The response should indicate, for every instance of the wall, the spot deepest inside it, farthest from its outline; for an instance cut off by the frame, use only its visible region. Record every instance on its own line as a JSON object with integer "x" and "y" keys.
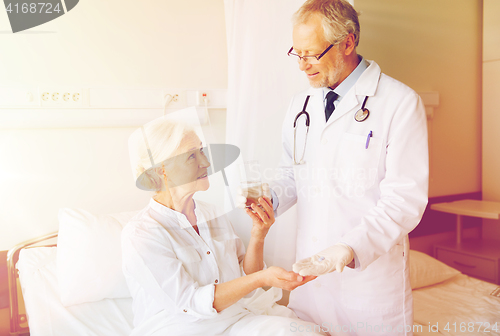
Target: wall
{"x": 491, "y": 117}
{"x": 125, "y": 43}
{"x": 431, "y": 45}
{"x": 160, "y": 43}
{"x": 435, "y": 45}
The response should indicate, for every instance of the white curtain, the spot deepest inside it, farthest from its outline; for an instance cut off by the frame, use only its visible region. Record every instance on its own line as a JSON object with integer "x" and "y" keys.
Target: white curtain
{"x": 262, "y": 80}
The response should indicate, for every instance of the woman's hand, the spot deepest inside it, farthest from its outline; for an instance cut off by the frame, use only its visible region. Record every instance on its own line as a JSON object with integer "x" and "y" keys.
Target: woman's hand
{"x": 263, "y": 217}
{"x": 278, "y": 277}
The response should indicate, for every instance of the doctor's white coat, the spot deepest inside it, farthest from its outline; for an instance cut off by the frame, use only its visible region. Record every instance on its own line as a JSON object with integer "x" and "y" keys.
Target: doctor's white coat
{"x": 367, "y": 197}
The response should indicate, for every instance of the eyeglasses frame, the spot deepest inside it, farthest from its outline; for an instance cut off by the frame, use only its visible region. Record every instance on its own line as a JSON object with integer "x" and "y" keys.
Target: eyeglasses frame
{"x": 290, "y": 53}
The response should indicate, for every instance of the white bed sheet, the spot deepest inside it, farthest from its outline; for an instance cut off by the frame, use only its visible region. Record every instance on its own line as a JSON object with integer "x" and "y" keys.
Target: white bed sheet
{"x": 46, "y": 314}
{"x": 461, "y": 299}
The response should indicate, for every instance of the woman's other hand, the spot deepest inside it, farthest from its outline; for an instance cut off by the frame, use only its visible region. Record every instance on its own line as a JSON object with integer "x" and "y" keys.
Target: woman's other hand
{"x": 262, "y": 217}
{"x": 227, "y": 293}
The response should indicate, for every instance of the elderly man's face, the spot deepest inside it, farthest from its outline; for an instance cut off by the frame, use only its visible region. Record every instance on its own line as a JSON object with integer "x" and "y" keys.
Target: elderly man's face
{"x": 308, "y": 39}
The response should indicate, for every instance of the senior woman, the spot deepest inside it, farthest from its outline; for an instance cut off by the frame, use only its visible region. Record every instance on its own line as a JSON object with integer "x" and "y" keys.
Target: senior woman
{"x": 186, "y": 269}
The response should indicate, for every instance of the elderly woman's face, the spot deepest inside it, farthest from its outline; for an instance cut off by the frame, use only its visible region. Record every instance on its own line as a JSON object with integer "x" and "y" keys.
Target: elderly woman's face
{"x": 188, "y": 169}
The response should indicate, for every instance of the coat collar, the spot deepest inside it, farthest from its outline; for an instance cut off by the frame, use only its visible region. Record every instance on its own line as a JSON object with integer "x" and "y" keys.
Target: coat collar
{"x": 365, "y": 86}
{"x": 368, "y": 81}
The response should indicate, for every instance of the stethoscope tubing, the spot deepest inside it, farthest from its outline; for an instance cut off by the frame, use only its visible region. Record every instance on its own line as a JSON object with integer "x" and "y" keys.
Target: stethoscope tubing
{"x": 308, "y": 120}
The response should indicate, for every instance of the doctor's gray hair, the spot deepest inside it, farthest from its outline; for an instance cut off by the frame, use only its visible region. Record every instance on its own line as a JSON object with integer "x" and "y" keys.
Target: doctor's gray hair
{"x": 338, "y": 18}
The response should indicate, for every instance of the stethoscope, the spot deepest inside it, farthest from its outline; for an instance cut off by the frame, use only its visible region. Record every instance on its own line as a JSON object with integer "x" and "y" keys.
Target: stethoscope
{"x": 361, "y": 115}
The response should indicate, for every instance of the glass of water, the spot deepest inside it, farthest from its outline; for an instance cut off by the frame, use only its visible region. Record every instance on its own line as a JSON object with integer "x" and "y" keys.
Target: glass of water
{"x": 251, "y": 182}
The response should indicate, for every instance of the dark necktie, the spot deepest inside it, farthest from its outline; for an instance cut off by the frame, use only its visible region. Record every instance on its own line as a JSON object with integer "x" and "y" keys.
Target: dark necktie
{"x": 330, "y": 107}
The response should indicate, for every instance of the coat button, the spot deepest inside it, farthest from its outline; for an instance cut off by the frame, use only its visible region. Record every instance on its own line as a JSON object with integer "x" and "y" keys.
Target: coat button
{"x": 185, "y": 311}
{"x": 324, "y": 141}
{"x": 208, "y": 252}
{"x": 216, "y": 281}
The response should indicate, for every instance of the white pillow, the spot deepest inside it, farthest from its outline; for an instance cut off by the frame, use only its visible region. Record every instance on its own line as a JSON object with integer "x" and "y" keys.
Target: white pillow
{"x": 89, "y": 257}
{"x": 427, "y": 271}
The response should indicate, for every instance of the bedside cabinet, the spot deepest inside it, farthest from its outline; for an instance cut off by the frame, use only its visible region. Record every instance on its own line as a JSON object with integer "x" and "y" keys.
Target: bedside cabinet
{"x": 475, "y": 257}
{"x": 479, "y": 258}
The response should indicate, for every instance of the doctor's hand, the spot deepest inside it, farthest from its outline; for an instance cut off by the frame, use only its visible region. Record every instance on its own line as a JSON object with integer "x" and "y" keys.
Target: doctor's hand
{"x": 334, "y": 258}
{"x": 280, "y": 278}
{"x": 262, "y": 215}
{"x": 243, "y": 199}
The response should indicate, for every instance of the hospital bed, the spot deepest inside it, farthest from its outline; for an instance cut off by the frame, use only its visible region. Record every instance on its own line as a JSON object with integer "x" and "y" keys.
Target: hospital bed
{"x": 447, "y": 302}
{"x": 76, "y": 287}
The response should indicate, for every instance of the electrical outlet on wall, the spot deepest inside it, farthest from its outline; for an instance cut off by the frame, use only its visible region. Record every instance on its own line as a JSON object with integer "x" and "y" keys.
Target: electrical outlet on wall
{"x": 174, "y": 98}
{"x": 202, "y": 98}
{"x": 61, "y": 97}
{"x": 214, "y": 98}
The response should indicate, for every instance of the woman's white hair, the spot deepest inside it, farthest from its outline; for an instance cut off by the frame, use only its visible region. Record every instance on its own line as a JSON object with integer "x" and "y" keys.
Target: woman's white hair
{"x": 152, "y": 144}
{"x": 338, "y": 18}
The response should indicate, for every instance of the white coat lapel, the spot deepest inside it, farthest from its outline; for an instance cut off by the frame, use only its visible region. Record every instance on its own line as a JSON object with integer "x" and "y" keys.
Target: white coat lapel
{"x": 316, "y": 107}
{"x": 348, "y": 103}
{"x": 319, "y": 105}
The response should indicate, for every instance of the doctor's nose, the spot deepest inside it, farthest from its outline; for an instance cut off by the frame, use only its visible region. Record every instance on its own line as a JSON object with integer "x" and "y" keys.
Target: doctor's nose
{"x": 303, "y": 65}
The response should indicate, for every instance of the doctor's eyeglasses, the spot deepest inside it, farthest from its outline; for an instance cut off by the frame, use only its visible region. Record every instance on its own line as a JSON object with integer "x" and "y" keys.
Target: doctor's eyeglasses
{"x": 311, "y": 59}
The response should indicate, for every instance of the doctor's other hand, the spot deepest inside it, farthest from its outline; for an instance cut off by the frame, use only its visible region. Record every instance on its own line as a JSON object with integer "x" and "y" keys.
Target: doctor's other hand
{"x": 280, "y": 278}
{"x": 334, "y": 258}
{"x": 244, "y": 195}
{"x": 262, "y": 215}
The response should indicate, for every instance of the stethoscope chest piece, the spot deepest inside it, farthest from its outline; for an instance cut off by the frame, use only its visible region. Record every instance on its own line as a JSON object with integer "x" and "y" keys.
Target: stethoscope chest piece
{"x": 362, "y": 115}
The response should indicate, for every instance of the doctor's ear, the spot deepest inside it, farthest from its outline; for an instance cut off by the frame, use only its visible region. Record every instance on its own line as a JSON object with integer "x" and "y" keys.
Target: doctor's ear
{"x": 350, "y": 44}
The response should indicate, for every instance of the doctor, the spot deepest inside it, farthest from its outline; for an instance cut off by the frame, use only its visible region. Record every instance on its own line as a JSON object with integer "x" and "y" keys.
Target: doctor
{"x": 358, "y": 175}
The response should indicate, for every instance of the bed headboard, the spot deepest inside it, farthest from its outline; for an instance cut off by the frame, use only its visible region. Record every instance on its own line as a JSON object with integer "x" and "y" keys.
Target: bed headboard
{"x": 18, "y": 322}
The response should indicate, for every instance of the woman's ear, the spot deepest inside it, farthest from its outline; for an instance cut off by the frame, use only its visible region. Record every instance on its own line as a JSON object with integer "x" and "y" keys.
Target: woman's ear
{"x": 162, "y": 171}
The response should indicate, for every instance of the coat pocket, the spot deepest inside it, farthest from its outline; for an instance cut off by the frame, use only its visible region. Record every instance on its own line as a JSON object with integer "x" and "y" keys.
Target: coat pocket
{"x": 357, "y": 160}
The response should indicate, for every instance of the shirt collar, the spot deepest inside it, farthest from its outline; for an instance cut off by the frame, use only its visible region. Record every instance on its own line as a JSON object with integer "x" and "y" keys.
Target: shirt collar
{"x": 349, "y": 82}
{"x": 179, "y": 217}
